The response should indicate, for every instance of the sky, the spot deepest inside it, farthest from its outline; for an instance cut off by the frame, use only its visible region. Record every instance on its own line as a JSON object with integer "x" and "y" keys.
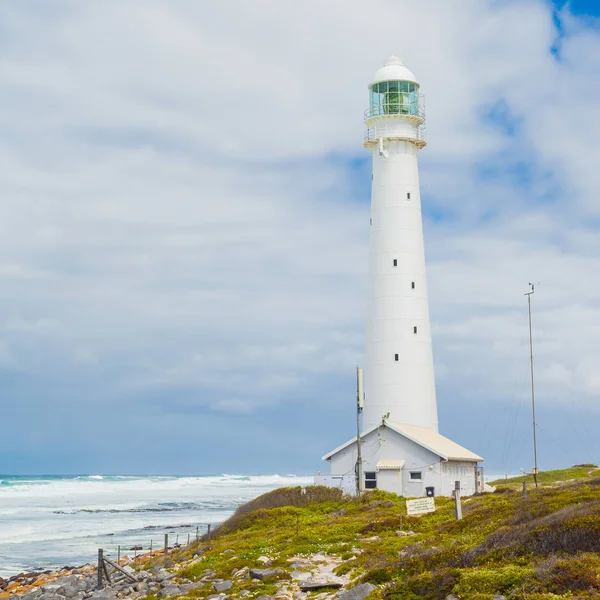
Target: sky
{"x": 184, "y": 204}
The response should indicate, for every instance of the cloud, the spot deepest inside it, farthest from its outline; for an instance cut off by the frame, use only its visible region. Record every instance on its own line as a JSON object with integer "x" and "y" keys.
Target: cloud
{"x": 184, "y": 208}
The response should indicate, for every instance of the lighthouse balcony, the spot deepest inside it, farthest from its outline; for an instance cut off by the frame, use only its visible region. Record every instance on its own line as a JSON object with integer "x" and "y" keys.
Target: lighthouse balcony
{"x": 395, "y": 132}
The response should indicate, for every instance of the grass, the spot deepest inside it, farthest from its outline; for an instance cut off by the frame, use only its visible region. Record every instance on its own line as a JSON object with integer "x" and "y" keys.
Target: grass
{"x": 534, "y": 548}
{"x": 585, "y": 471}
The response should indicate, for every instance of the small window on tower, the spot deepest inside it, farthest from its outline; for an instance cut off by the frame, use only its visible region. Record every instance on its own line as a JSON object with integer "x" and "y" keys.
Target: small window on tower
{"x": 395, "y": 262}
{"x": 415, "y": 329}
{"x": 412, "y": 285}
{"x": 408, "y": 195}
{"x": 396, "y": 357}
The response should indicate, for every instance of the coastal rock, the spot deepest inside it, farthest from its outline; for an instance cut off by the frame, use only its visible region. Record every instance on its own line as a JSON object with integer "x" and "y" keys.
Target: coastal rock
{"x": 319, "y": 584}
{"x": 188, "y": 587}
{"x": 50, "y": 596}
{"x": 404, "y": 533}
{"x": 358, "y": 592}
{"x": 171, "y": 590}
{"x": 223, "y": 586}
{"x": 264, "y": 573}
{"x": 242, "y": 572}
{"x": 142, "y": 586}
{"x": 265, "y": 597}
{"x": 103, "y": 595}
{"x": 164, "y": 576}
{"x": 498, "y": 597}
{"x": 452, "y": 597}
{"x": 301, "y": 575}
{"x": 265, "y": 560}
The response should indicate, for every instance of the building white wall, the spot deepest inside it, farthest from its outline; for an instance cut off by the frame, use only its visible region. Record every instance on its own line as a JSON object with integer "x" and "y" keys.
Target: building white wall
{"x": 386, "y": 444}
{"x": 404, "y": 388}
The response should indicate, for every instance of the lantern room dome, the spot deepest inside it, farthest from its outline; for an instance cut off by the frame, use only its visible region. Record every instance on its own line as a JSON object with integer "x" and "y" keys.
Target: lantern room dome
{"x": 394, "y": 70}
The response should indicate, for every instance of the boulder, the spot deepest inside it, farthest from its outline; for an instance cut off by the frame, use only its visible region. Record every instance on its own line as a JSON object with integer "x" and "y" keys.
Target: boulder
{"x": 265, "y": 560}
{"x": 316, "y": 584}
{"x": 498, "y": 597}
{"x": 142, "y": 586}
{"x": 170, "y": 590}
{"x": 265, "y": 597}
{"x": 264, "y": 573}
{"x": 452, "y": 597}
{"x": 188, "y": 587}
{"x": 103, "y": 595}
{"x": 358, "y": 592}
{"x": 222, "y": 586}
{"x": 300, "y": 575}
{"x": 50, "y": 596}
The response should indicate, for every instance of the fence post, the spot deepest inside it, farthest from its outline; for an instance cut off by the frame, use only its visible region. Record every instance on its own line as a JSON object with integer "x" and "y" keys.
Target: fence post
{"x": 100, "y": 567}
{"x": 166, "y": 543}
{"x": 119, "y": 555}
{"x": 197, "y": 532}
{"x": 524, "y": 489}
{"x": 457, "y": 505}
{"x": 208, "y": 533}
{"x": 150, "y": 546}
{"x": 188, "y": 539}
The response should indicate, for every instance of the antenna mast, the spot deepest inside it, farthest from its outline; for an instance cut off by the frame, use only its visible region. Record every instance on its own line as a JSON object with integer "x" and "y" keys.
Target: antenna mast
{"x": 535, "y": 464}
{"x": 359, "y": 407}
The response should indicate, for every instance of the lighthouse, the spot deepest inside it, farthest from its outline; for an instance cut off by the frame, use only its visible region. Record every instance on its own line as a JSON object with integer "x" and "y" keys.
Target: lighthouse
{"x": 399, "y": 378}
{"x": 399, "y": 447}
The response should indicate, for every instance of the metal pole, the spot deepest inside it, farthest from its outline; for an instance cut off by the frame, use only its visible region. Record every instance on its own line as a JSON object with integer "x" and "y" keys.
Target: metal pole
{"x": 359, "y": 403}
{"x": 208, "y": 533}
{"x": 535, "y": 464}
{"x": 166, "y": 543}
{"x": 118, "y": 555}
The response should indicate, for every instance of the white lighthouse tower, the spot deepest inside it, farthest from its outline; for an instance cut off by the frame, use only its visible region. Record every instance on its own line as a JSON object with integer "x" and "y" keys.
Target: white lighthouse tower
{"x": 399, "y": 448}
{"x": 400, "y": 381}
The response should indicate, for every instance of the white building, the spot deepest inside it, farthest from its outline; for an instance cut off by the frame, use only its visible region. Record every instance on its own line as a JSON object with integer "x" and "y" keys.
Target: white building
{"x": 402, "y": 450}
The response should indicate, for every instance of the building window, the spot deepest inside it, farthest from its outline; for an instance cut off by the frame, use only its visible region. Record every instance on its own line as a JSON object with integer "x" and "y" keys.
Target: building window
{"x": 408, "y": 195}
{"x": 370, "y": 480}
{"x": 415, "y": 329}
{"x": 412, "y": 285}
{"x": 396, "y": 357}
{"x": 415, "y": 476}
{"x": 395, "y": 262}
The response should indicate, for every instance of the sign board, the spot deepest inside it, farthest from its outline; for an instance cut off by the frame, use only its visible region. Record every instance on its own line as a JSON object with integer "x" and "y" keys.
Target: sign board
{"x": 419, "y": 506}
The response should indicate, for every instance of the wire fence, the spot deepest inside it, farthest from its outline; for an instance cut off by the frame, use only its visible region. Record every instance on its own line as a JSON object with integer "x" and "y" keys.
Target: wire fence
{"x": 127, "y": 549}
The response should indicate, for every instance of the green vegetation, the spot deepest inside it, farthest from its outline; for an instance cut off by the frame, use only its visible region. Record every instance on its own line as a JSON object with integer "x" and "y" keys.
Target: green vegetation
{"x": 584, "y": 471}
{"x": 536, "y": 548}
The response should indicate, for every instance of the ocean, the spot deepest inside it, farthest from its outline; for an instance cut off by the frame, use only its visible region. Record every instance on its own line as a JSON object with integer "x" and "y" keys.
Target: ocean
{"x": 51, "y": 522}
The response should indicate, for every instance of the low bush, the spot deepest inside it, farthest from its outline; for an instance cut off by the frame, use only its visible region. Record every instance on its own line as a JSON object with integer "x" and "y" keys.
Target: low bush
{"x": 501, "y": 580}
{"x": 564, "y": 575}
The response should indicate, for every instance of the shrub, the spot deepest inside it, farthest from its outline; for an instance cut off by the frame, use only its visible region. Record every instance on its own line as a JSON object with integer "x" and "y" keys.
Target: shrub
{"x": 381, "y": 526}
{"x": 282, "y": 497}
{"x": 377, "y": 576}
{"x": 568, "y": 574}
{"x": 501, "y": 580}
{"x": 344, "y": 568}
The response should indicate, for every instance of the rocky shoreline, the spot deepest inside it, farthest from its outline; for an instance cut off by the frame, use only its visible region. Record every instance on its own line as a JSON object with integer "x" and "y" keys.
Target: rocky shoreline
{"x": 138, "y": 579}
